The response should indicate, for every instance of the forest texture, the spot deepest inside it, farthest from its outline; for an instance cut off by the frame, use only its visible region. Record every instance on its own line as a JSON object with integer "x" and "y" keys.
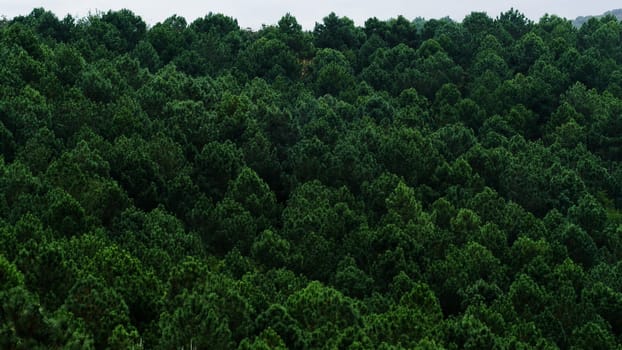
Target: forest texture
{"x": 400, "y": 185}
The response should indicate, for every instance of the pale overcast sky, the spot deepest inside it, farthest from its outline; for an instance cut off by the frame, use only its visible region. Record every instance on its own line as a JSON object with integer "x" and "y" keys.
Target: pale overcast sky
{"x": 255, "y": 13}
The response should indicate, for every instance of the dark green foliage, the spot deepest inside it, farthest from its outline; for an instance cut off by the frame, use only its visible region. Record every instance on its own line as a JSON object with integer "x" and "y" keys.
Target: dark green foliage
{"x": 269, "y": 59}
{"x": 99, "y": 306}
{"x": 423, "y": 184}
{"x": 195, "y": 322}
{"x": 338, "y": 33}
{"x": 216, "y": 165}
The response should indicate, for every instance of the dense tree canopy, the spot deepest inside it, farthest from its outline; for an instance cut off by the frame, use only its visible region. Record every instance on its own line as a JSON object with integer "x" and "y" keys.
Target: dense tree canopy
{"x": 404, "y": 184}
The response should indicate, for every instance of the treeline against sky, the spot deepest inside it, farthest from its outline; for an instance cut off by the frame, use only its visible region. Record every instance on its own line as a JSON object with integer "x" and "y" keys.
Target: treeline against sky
{"x": 401, "y": 185}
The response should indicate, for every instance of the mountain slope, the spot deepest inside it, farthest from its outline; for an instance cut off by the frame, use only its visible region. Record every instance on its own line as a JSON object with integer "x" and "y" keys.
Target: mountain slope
{"x": 583, "y": 19}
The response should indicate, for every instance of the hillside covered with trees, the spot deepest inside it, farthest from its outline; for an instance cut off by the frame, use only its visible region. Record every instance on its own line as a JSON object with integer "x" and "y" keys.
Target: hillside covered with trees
{"x": 400, "y": 185}
{"x": 579, "y": 21}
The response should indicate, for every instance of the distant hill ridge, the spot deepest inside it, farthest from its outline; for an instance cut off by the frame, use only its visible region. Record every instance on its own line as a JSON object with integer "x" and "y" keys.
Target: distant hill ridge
{"x": 582, "y": 19}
